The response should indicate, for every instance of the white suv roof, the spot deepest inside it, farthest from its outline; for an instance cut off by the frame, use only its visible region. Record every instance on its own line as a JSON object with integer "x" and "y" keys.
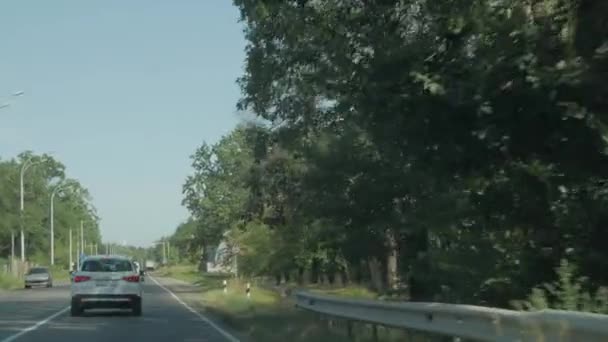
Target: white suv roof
{"x": 106, "y": 256}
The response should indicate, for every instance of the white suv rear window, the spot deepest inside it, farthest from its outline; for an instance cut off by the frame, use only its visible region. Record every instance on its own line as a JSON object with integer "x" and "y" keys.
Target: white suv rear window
{"x": 107, "y": 265}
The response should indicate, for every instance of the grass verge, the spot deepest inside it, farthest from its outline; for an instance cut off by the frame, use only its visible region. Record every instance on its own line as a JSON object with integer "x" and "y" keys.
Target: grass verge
{"x": 60, "y": 275}
{"x": 8, "y": 282}
{"x": 269, "y": 316}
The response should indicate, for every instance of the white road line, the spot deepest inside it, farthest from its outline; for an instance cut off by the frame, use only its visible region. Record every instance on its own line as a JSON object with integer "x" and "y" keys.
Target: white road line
{"x": 226, "y": 334}
{"x": 35, "y": 326}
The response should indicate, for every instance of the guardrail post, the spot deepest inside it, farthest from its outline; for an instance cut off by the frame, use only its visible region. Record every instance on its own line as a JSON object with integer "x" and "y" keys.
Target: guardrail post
{"x": 374, "y": 332}
{"x": 349, "y": 328}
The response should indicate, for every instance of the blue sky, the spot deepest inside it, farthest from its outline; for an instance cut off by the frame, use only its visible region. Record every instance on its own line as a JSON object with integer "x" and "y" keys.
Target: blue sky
{"x": 122, "y": 92}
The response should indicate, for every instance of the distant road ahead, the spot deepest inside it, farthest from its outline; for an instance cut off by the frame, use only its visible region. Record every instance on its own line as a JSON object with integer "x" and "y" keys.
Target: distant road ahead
{"x": 42, "y": 315}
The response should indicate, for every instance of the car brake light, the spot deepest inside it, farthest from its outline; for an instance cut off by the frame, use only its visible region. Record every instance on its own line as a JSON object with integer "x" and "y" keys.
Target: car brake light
{"x": 81, "y": 278}
{"x": 131, "y": 279}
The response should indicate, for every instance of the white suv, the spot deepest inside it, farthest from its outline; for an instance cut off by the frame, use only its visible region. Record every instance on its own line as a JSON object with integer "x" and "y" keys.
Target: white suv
{"x": 106, "y": 281}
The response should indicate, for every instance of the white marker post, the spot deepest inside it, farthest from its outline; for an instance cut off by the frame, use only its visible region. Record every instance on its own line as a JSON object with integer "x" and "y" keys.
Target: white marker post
{"x": 225, "y": 286}
{"x": 248, "y": 290}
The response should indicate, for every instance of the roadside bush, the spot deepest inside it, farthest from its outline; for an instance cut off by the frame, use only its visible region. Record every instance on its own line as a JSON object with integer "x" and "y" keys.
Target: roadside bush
{"x": 568, "y": 292}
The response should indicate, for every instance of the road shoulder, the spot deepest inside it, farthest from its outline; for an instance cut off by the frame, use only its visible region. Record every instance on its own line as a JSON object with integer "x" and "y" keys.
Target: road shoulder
{"x": 189, "y": 295}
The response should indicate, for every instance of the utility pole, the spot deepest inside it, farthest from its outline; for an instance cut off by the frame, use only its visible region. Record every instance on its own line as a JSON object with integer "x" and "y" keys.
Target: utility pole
{"x": 96, "y": 249}
{"x": 70, "y": 267}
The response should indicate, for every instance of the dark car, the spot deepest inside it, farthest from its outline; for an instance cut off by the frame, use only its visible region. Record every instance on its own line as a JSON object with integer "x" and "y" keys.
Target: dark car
{"x": 38, "y": 276}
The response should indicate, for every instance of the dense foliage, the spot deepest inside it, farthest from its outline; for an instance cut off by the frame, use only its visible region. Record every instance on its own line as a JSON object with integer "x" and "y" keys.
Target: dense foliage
{"x": 72, "y": 203}
{"x": 456, "y": 150}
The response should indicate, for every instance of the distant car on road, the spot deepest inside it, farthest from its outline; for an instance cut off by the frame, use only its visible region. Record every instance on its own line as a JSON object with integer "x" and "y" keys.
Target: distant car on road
{"x": 106, "y": 282}
{"x": 38, "y": 276}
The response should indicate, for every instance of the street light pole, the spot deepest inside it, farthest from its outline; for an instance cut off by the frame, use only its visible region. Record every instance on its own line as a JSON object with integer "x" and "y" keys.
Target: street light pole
{"x": 81, "y": 237}
{"x": 53, "y": 224}
{"x": 53, "y": 227}
{"x": 53, "y": 193}
{"x": 21, "y": 207}
{"x": 78, "y": 253}
{"x": 15, "y": 94}
{"x": 168, "y": 251}
{"x": 24, "y": 168}
{"x": 70, "y": 267}
{"x": 12, "y": 251}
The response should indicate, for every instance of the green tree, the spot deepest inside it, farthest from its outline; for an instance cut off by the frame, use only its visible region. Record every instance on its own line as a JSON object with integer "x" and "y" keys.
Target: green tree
{"x": 452, "y": 149}
{"x": 72, "y": 204}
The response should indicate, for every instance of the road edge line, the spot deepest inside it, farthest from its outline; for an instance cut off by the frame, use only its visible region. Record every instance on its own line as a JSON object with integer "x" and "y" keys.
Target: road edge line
{"x": 226, "y": 334}
{"x": 35, "y": 326}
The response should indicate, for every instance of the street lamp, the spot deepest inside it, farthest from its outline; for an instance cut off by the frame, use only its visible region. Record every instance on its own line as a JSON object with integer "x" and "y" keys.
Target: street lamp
{"x": 15, "y": 94}
{"x": 26, "y": 165}
{"x": 52, "y": 214}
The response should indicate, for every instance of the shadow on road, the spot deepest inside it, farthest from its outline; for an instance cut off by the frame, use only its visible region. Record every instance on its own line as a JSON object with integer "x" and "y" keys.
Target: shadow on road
{"x": 106, "y": 313}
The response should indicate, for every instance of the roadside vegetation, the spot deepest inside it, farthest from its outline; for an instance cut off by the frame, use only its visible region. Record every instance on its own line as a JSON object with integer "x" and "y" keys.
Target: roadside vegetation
{"x": 60, "y": 274}
{"x": 426, "y": 150}
{"x": 270, "y": 314}
{"x": 72, "y": 204}
{"x": 9, "y": 282}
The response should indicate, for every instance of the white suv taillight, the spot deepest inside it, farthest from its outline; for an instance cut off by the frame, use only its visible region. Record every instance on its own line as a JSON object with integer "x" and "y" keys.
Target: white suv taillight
{"x": 131, "y": 279}
{"x": 81, "y": 278}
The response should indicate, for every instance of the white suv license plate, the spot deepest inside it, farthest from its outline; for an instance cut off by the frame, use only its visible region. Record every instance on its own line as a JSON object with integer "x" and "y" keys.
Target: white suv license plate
{"x": 104, "y": 283}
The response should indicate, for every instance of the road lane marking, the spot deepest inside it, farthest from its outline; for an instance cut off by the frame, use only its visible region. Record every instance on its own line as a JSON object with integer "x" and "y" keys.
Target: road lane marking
{"x": 226, "y": 334}
{"x": 35, "y": 326}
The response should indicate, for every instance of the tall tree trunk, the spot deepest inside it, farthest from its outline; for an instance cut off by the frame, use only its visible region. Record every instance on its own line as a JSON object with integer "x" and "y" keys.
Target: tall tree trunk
{"x": 300, "y": 277}
{"x": 203, "y": 258}
{"x": 337, "y": 279}
{"x": 392, "y": 271}
{"x": 314, "y": 271}
{"x": 307, "y": 276}
{"x": 325, "y": 279}
{"x": 363, "y": 275}
{"x": 375, "y": 271}
{"x": 346, "y": 273}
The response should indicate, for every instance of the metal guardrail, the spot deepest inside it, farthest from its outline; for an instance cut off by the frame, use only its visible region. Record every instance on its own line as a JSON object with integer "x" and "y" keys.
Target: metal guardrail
{"x": 464, "y": 321}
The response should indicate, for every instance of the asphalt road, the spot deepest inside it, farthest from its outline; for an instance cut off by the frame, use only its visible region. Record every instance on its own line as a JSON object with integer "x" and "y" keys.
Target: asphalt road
{"x": 42, "y": 315}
